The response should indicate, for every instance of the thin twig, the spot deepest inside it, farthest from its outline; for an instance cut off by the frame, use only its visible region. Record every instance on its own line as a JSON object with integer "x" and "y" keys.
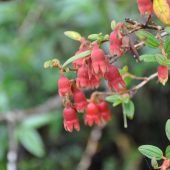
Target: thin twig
{"x": 91, "y": 148}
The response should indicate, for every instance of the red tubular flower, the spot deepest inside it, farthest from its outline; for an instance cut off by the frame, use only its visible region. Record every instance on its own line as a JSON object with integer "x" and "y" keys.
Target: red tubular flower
{"x": 70, "y": 119}
{"x": 104, "y": 111}
{"x": 83, "y": 47}
{"x": 99, "y": 63}
{"x": 80, "y": 100}
{"x": 114, "y": 79}
{"x": 145, "y": 6}
{"x": 163, "y": 74}
{"x": 94, "y": 82}
{"x": 82, "y": 80}
{"x": 116, "y": 40}
{"x": 92, "y": 114}
{"x": 64, "y": 86}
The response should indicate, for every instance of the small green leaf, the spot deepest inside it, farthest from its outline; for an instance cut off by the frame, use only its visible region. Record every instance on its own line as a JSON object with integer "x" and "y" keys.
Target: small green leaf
{"x": 113, "y": 24}
{"x": 93, "y": 36}
{"x": 167, "y": 29}
{"x": 31, "y": 140}
{"x": 167, "y": 129}
{"x": 148, "y": 58}
{"x": 115, "y": 99}
{"x": 167, "y": 45}
{"x": 76, "y": 57}
{"x": 159, "y": 58}
{"x": 129, "y": 109}
{"x": 73, "y": 35}
{"x": 151, "y": 151}
{"x": 167, "y": 152}
{"x": 148, "y": 38}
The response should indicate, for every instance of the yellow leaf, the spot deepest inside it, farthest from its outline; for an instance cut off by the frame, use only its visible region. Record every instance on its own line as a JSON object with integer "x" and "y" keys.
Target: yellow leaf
{"x": 162, "y": 10}
{"x": 73, "y": 35}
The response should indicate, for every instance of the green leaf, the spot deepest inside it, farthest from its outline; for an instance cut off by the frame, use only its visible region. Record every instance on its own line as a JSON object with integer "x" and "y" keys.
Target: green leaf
{"x": 167, "y": 29}
{"x": 167, "y": 45}
{"x": 167, "y": 152}
{"x": 31, "y": 140}
{"x": 73, "y": 35}
{"x": 93, "y": 36}
{"x": 151, "y": 151}
{"x": 148, "y": 38}
{"x": 113, "y": 24}
{"x": 148, "y": 58}
{"x": 129, "y": 109}
{"x": 159, "y": 58}
{"x": 115, "y": 99}
{"x": 37, "y": 121}
{"x": 167, "y": 129}
{"x": 76, "y": 57}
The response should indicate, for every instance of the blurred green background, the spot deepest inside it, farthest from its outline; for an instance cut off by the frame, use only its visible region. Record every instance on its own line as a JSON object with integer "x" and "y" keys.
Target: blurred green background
{"x": 31, "y": 32}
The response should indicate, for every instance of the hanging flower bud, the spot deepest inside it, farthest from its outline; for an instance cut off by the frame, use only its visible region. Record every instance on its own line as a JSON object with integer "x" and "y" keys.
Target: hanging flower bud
{"x": 83, "y": 47}
{"x": 163, "y": 74}
{"x": 70, "y": 119}
{"x": 145, "y": 7}
{"x": 80, "y": 100}
{"x": 114, "y": 79}
{"x": 92, "y": 114}
{"x": 94, "y": 82}
{"x": 99, "y": 63}
{"x": 116, "y": 40}
{"x": 64, "y": 86}
{"x": 104, "y": 111}
{"x": 82, "y": 80}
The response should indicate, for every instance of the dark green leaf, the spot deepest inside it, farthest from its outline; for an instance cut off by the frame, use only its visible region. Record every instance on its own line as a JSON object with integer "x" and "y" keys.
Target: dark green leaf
{"x": 129, "y": 109}
{"x": 167, "y": 152}
{"x": 151, "y": 151}
{"x": 167, "y": 129}
{"x": 31, "y": 140}
{"x": 76, "y": 57}
{"x": 148, "y": 38}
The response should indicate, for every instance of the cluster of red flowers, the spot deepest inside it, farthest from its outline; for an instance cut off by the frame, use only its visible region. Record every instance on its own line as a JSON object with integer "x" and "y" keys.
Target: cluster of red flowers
{"x": 90, "y": 70}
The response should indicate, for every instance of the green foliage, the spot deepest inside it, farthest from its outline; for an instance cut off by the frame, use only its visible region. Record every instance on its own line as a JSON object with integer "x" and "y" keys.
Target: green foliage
{"x": 151, "y": 151}
{"x": 167, "y": 152}
{"x": 73, "y": 35}
{"x": 117, "y": 99}
{"x": 31, "y": 140}
{"x": 148, "y": 38}
{"x": 158, "y": 58}
{"x": 167, "y": 129}
{"x": 129, "y": 109}
{"x": 167, "y": 45}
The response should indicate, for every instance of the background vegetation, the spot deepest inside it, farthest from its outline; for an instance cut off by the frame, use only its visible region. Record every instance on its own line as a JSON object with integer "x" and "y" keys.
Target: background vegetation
{"x": 31, "y": 32}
